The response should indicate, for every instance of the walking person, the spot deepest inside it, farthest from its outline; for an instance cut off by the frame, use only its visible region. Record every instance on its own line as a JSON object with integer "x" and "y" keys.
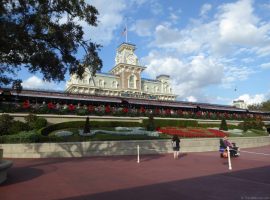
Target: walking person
{"x": 176, "y": 146}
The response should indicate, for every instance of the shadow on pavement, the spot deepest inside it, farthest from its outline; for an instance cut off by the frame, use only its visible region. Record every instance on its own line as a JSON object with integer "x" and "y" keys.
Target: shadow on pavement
{"x": 246, "y": 184}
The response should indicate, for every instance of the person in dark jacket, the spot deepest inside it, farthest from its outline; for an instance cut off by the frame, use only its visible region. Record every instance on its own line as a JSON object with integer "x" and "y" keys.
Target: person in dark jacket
{"x": 176, "y": 146}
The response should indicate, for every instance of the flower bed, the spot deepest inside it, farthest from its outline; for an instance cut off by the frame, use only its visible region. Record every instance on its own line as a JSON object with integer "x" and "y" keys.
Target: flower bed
{"x": 120, "y": 110}
{"x": 192, "y": 133}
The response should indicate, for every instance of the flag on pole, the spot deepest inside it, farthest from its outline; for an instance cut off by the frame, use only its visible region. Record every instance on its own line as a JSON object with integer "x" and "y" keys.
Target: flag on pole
{"x": 124, "y": 32}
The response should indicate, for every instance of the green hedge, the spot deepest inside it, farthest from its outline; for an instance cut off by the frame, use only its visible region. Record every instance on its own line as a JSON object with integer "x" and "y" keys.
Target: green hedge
{"x": 251, "y": 124}
{"x": 176, "y": 123}
{"x": 206, "y": 125}
{"x": 22, "y": 137}
{"x": 80, "y": 124}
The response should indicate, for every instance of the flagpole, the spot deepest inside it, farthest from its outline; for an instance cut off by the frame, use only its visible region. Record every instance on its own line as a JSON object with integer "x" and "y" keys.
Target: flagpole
{"x": 126, "y": 32}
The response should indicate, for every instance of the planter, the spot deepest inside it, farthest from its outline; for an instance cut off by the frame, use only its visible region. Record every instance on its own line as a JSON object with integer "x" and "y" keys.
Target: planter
{"x": 4, "y": 166}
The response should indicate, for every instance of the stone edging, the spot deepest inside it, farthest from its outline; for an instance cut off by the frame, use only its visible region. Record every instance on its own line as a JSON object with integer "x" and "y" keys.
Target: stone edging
{"x": 103, "y": 148}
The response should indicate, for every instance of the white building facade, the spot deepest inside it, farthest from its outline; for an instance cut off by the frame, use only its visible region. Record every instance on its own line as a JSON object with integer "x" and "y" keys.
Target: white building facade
{"x": 123, "y": 80}
{"x": 240, "y": 104}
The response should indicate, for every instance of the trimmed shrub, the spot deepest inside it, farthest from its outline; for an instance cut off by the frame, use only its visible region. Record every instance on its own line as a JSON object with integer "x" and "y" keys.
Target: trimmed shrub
{"x": 5, "y": 124}
{"x": 40, "y": 123}
{"x": 35, "y": 122}
{"x": 18, "y": 126}
{"x": 86, "y": 126}
{"x": 81, "y": 111}
{"x": 23, "y": 137}
{"x": 30, "y": 120}
{"x": 151, "y": 125}
{"x": 223, "y": 125}
{"x": 251, "y": 124}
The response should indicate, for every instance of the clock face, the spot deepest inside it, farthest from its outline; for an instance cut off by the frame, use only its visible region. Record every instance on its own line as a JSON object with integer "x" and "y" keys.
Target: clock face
{"x": 131, "y": 59}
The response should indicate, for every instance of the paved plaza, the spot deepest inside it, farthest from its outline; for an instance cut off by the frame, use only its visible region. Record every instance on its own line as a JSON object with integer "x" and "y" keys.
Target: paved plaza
{"x": 192, "y": 176}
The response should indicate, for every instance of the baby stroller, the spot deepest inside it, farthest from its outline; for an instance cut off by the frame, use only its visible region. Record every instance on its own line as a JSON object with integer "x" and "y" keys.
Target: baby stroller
{"x": 234, "y": 150}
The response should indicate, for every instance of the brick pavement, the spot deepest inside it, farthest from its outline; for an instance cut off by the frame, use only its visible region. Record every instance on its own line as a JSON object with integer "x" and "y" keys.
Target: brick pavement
{"x": 193, "y": 176}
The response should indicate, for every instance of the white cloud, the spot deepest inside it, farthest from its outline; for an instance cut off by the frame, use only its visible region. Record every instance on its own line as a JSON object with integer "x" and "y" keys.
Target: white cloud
{"x": 265, "y": 65}
{"x": 173, "y": 17}
{"x": 233, "y": 74}
{"x": 234, "y": 26}
{"x": 35, "y": 82}
{"x": 234, "y": 37}
{"x": 174, "y": 39}
{"x": 191, "y": 99}
{"x": 252, "y": 99}
{"x": 238, "y": 24}
{"x": 156, "y": 8}
{"x": 139, "y": 2}
{"x": 266, "y": 6}
{"x": 188, "y": 77}
{"x": 205, "y": 9}
{"x": 143, "y": 27}
{"x": 110, "y": 18}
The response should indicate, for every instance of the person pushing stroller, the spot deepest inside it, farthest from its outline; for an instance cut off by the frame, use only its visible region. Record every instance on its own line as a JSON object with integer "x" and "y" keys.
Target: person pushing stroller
{"x": 234, "y": 150}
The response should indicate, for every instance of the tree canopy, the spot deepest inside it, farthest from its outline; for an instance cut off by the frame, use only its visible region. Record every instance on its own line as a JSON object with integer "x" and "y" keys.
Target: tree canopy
{"x": 45, "y": 36}
{"x": 264, "y": 106}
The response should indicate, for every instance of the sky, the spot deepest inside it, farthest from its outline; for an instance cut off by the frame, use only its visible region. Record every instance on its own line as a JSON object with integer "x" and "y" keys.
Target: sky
{"x": 214, "y": 51}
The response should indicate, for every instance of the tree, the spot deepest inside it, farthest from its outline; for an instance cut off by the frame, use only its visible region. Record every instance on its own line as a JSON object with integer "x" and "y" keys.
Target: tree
{"x": 264, "y": 106}
{"x": 151, "y": 125}
{"x": 223, "y": 125}
{"x": 86, "y": 126}
{"x": 35, "y": 35}
{"x": 17, "y": 87}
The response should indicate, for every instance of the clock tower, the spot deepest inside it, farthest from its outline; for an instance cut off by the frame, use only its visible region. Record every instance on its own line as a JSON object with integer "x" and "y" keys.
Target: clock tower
{"x": 127, "y": 67}
{"x": 125, "y": 54}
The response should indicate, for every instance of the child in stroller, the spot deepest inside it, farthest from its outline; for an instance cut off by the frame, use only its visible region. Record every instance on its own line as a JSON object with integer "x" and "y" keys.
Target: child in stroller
{"x": 224, "y": 143}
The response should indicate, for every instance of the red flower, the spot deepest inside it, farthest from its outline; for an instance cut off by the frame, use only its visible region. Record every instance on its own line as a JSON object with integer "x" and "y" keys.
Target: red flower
{"x": 91, "y": 108}
{"x": 26, "y": 104}
{"x": 179, "y": 112}
{"x": 51, "y": 106}
{"x": 125, "y": 110}
{"x": 71, "y": 107}
{"x": 142, "y": 110}
{"x": 199, "y": 114}
{"x": 167, "y": 111}
{"x": 108, "y": 109}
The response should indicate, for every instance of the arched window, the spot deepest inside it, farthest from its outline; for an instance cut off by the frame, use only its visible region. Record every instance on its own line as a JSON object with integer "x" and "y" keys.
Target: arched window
{"x": 132, "y": 82}
{"x": 101, "y": 83}
{"x": 145, "y": 88}
{"x": 114, "y": 84}
{"x": 155, "y": 89}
